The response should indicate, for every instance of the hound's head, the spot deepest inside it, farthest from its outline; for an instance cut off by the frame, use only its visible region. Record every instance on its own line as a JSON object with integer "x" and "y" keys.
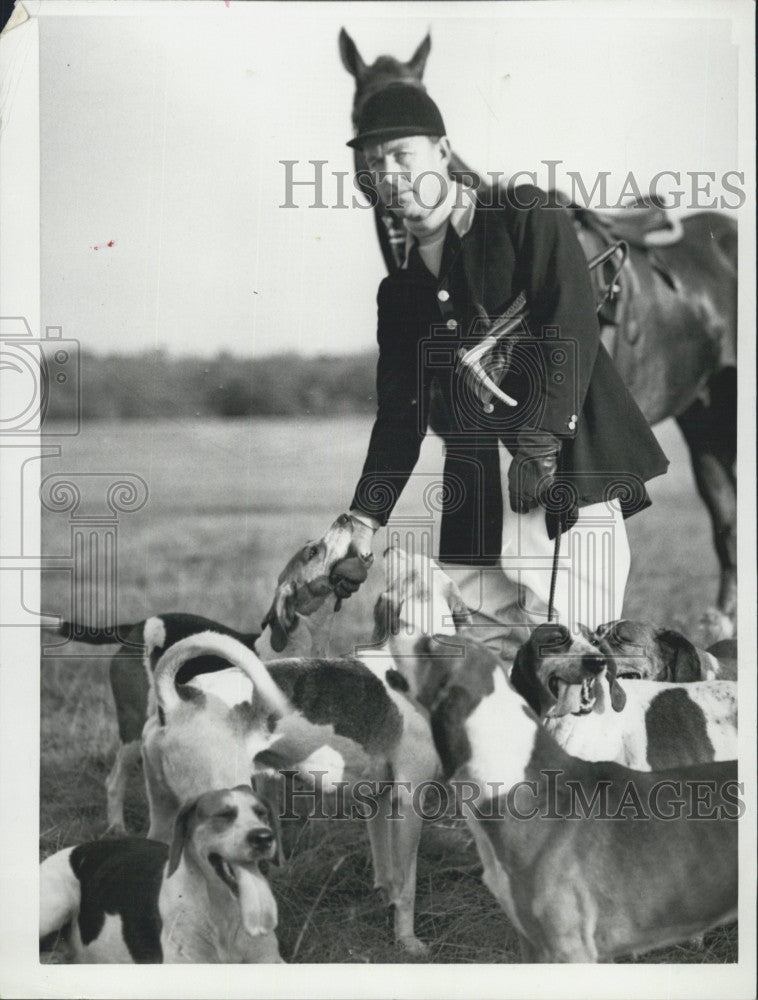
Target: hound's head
{"x": 226, "y": 834}
{"x": 419, "y": 599}
{"x": 305, "y": 582}
{"x": 560, "y": 674}
{"x": 640, "y": 650}
{"x": 465, "y": 690}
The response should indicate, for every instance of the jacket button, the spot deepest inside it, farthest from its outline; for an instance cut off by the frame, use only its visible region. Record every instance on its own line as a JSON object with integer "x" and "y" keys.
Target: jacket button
{"x": 451, "y": 324}
{"x": 443, "y": 295}
{"x": 572, "y": 422}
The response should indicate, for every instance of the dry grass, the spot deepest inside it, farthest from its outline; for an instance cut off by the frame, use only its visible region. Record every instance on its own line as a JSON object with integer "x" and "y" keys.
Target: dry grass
{"x": 229, "y": 502}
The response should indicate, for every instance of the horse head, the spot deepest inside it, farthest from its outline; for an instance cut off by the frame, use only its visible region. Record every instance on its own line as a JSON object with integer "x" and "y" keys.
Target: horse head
{"x": 385, "y": 70}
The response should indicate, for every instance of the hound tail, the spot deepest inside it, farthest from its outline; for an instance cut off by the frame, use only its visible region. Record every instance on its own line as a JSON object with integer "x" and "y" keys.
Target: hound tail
{"x": 228, "y": 648}
{"x": 59, "y": 892}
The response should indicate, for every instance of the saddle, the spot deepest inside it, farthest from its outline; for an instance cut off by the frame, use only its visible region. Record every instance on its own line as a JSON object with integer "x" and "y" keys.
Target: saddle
{"x": 642, "y": 224}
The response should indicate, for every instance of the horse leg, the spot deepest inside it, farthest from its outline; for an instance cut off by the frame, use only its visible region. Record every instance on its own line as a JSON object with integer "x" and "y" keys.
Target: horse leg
{"x": 710, "y": 430}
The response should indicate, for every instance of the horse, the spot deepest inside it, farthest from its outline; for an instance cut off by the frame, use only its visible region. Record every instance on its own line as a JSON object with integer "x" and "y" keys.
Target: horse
{"x": 671, "y": 329}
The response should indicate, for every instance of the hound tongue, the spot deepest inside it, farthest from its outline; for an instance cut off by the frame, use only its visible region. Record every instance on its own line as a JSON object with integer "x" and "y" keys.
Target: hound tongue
{"x": 258, "y": 906}
{"x": 574, "y": 699}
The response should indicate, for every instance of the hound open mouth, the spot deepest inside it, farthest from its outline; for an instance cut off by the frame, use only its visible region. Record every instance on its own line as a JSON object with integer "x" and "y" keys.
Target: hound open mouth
{"x": 257, "y": 904}
{"x": 587, "y": 698}
{"x": 572, "y": 699}
{"x": 225, "y": 872}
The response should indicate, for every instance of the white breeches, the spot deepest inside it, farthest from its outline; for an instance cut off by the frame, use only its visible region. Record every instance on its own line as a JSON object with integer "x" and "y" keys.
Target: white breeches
{"x": 593, "y": 567}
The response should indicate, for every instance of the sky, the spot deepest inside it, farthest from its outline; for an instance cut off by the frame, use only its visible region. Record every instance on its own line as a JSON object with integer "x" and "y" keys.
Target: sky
{"x": 163, "y": 128}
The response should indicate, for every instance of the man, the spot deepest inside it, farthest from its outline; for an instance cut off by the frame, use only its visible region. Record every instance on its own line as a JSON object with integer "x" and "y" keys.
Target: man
{"x": 570, "y": 454}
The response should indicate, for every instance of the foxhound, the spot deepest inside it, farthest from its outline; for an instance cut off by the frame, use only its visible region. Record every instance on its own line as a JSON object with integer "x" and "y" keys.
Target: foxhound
{"x": 647, "y": 725}
{"x": 206, "y": 733}
{"x": 299, "y": 619}
{"x": 579, "y": 888}
{"x": 204, "y": 899}
{"x": 353, "y": 719}
{"x": 641, "y": 650}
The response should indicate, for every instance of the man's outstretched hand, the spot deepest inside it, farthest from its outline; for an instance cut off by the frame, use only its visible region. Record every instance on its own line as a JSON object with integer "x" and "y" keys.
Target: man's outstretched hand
{"x": 349, "y": 573}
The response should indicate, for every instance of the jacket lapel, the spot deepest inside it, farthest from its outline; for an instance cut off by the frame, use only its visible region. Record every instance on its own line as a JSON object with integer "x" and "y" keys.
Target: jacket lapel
{"x": 489, "y": 261}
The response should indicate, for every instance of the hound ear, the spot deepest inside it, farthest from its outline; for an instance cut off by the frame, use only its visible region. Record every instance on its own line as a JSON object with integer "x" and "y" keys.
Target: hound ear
{"x": 350, "y": 56}
{"x": 449, "y": 730}
{"x": 417, "y": 62}
{"x": 282, "y": 616}
{"x": 438, "y": 656}
{"x": 523, "y": 677}
{"x": 458, "y": 607}
{"x": 679, "y": 656}
{"x": 265, "y": 787}
{"x": 180, "y": 835}
{"x": 386, "y": 617}
{"x": 618, "y": 695}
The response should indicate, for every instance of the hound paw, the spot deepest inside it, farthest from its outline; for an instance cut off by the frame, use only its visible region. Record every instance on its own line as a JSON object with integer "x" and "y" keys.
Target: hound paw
{"x": 413, "y": 946}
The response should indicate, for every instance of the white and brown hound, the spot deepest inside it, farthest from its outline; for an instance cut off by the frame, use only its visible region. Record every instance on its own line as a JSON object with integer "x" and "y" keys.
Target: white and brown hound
{"x": 643, "y": 651}
{"x": 205, "y": 733}
{"x": 204, "y": 899}
{"x": 353, "y": 718}
{"x": 578, "y": 887}
{"x": 299, "y": 620}
{"x": 647, "y": 725}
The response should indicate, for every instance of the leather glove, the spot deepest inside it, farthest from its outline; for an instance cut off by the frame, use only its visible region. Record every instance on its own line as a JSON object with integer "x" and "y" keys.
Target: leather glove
{"x": 349, "y": 573}
{"x": 533, "y": 469}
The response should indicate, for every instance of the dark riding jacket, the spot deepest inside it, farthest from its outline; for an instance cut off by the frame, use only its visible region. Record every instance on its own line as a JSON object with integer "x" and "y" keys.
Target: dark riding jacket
{"x": 557, "y": 369}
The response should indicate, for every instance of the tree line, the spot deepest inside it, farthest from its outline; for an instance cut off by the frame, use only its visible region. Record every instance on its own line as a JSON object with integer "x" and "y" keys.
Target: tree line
{"x": 155, "y": 384}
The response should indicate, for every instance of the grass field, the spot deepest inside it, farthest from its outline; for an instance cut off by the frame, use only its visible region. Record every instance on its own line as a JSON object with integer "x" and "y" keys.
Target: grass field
{"x": 228, "y": 504}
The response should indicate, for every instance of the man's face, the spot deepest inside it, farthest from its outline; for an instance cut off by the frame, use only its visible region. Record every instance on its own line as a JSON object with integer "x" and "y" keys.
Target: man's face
{"x": 410, "y": 174}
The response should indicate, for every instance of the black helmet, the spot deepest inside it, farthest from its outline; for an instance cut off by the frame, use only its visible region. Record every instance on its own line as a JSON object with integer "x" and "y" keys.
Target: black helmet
{"x": 396, "y": 111}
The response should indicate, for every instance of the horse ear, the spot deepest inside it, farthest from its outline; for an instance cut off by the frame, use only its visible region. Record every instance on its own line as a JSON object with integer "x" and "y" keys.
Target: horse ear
{"x": 679, "y": 656}
{"x": 417, "y": 62}
{"x": 351, "y": 57}
{"x": 180, "y": 835}
{"x": 523, "y": 677}
{"x": 281, "y": 617}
